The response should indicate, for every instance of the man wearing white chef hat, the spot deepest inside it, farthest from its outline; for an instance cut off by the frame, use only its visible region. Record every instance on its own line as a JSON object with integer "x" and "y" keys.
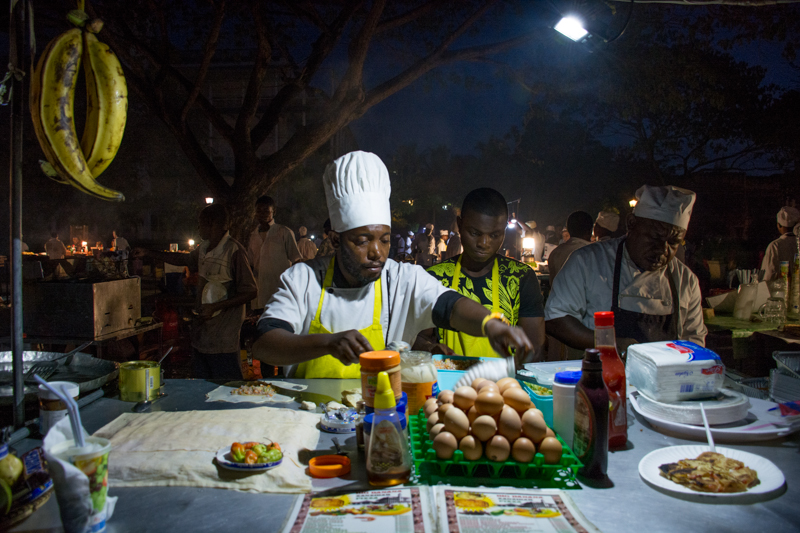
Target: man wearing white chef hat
{"x": 653, "y": 296}
{"x": 784, "y": 247}
{"x": 328, "y": 311}
{"x": 605, "y": 225}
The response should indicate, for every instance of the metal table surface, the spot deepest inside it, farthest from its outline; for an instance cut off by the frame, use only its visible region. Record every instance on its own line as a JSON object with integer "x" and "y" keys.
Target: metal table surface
{"x": 630, "y": 505}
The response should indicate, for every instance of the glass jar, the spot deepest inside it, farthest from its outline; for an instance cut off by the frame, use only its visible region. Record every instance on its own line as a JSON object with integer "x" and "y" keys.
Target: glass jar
{"x": 420, "y": 379}
{"x": 372, "y": 363}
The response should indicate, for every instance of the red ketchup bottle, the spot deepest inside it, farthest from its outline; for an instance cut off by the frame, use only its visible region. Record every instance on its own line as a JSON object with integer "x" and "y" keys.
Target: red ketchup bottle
{"x": 590, "y": 441}
{"x": 614, "y": 376}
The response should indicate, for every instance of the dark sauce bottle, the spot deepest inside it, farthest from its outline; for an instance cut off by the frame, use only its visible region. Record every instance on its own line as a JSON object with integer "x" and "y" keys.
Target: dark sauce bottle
{"x": 590, "y": 442}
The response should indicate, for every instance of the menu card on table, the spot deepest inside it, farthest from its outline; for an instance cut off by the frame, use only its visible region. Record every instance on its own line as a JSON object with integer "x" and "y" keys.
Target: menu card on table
{"x": 454, "y": 510}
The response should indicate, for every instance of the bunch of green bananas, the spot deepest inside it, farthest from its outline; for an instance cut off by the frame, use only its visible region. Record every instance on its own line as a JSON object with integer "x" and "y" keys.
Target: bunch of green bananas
{"x": 52, "y": 101}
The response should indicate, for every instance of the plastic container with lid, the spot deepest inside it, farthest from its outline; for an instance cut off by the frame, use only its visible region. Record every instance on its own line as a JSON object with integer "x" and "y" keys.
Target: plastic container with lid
{"x": 51, "y": 409}
{"x": 419, "y": 378}
{"x": 545, "y": 373}
{"x": 372, "y": 363}
{"x": 564, "y": 404}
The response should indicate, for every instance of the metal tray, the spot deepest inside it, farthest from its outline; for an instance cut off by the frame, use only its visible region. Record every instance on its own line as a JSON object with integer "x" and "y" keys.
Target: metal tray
{"x": 788, "y": 363}
{"x": 88, "y": 372}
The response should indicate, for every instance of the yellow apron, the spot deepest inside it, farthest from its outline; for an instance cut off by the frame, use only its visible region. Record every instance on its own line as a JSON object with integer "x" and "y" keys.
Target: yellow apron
{"x": 328, "y": 366}
{"x": 461, "y": 343}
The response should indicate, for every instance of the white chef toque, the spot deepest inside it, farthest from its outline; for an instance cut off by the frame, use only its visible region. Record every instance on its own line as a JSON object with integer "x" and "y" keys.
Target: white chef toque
{"x": 608, "y": 220}
{"x": 788, "y": 216}
{"x": 669, "y": 204}
{"x": 357, "y": 191}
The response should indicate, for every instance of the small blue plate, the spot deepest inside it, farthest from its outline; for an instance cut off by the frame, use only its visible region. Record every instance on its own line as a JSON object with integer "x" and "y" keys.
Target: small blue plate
{"x": 225, "y": 461}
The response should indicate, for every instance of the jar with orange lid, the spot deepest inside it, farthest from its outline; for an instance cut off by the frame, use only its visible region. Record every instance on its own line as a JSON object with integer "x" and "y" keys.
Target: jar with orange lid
{"x": 373, "y": 363}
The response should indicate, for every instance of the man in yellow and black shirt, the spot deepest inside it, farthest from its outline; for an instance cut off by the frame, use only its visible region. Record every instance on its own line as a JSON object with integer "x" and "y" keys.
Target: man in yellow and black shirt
{"x": 502, "y": 285}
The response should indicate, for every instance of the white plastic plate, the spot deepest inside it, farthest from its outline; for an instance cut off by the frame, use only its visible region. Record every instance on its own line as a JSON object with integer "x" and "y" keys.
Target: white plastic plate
{"x": 757, "y": 426}
{"x": 225, "y": 461}
{"x": 772, "y": 484}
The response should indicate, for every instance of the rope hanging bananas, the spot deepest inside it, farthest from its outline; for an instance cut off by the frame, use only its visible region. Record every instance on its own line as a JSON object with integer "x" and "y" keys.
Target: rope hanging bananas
{"x": 52, "y": 100}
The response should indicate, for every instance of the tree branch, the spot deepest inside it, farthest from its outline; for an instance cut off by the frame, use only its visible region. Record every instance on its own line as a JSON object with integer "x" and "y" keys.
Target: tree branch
{"x": 404, "y": 18}
{"x": 208, "y": 53}
{"x": 357, "y": 54}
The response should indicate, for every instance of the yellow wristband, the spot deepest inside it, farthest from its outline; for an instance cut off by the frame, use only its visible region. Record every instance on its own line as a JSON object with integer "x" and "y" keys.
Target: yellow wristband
{"x": 490, "y": 316}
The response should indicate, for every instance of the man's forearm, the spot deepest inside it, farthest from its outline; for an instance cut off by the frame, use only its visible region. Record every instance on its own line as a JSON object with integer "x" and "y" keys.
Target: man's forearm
{"x": 467, "y": 316}
{"x": 278, "y": 347}
{"x": 571, "y": 332}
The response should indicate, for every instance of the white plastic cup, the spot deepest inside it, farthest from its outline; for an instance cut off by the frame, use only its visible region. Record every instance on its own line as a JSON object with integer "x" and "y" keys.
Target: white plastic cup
{"x": 564, "y": 404}
{"x": 745, "y": 301}
{"x": 51, "y": 408}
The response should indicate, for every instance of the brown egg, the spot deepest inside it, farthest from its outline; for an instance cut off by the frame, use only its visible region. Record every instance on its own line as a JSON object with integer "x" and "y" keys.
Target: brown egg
{"x": 535, "y": 410}
{"x": 489, "y": 402}
{"x": 445, "y": 444}
{"x": 551, "y": 449}
{"x": 476, "y": 382}
{"x": 444, "y": 408}
{"x": 472, "y": 448}
{"x": 433, "y": 420}
{"x": 517, "y": 398}
{"x": 550, "y": 433}
{"x": 498, "y": 449}
{"x": 435, "y": 430}
{"x": 430, "y": 407}
{"x": 484, "y": 427}
{"x": 523, "y": 450}
{"x": 484, "y": 383}
{"x": 533, "y": 426}
{"x": 510, "y": 425}
{"x": 464, "y": 398}
{"x": 504, "y": 383}
{"x": 446, "y": 396}
{"x": 488, "y": 385}
{"x": 457, "y": 423}
{"x": 472, "y": 414}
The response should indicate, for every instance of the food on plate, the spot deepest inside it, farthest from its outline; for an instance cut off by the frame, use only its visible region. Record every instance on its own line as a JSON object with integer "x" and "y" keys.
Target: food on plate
{"x": 256, "y": 389}
{"x": 711, "y": 472}
{"x": 256, "y": 453}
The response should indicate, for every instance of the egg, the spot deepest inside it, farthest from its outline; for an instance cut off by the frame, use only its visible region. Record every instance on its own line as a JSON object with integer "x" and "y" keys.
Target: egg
{"x": 550, "y": 433}
{"x": 498, "y": 449}
{"x": 489, "y": 402}
{"x": 446, "y": 396}
{"x": 517, "y": 398}
{"x": 488, "y": 385}
{"x": 433, "y": 420}
{"x": 477, "y": 381}
{"x": 444, "y": 408}
{"x": 533, "y": 425}
{"x": 456, "y": 422}
{"x": 464, "y": 398}
{"x": 471, "y": 447}
{"x": 472, "y": 414}
{"x": 445, "y": 444}
{"x": 430, "y": 407}
{"x": 510, "y": 425}
{"x": 523, "y": 450}
{"x": 435, "y": 430}
{"x": 535, "y": 410}
{"x": 551, "y": 449}
{"x": 484, "y": 427}
{"x": 504, "y": 383}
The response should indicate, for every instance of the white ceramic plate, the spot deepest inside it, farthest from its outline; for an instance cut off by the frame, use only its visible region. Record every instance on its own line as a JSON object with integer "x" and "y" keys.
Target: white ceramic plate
{"x": 772, "y": 484}
{"x": 755, "y": 427}
{"x": 224, "y": 460}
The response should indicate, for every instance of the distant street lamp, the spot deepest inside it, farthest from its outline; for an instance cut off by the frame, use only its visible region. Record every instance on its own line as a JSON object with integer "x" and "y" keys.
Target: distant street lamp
{"x": 572, "y": 27}
{"x": 632, "y": 203}
{"x": 209, "y": 200}
{"x": 191, "y": 242}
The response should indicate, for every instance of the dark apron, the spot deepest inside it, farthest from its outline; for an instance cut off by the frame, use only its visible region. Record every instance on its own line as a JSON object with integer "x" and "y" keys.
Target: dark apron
{"x": 642, "y": 326}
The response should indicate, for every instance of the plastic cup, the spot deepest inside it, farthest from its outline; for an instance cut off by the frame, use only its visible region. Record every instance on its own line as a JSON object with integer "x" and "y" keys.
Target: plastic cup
{"x": 92, "y": 460}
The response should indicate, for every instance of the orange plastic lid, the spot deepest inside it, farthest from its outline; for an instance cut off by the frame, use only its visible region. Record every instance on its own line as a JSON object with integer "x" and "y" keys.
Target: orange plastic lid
{"x": 378, "y": 361}
{"x": 329, "y": 466}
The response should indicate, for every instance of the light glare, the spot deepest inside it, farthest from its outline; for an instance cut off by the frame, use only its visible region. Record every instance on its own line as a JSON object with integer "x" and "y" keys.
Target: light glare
{"x": 572, "y": 28}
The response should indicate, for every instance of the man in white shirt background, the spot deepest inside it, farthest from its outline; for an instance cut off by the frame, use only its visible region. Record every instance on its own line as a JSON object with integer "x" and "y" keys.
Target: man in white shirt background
{"x": 54, "y": 248}
{"x": 784, "y": 247}
{"x": 579, "y": 232}
{"x": 306, "y": 246}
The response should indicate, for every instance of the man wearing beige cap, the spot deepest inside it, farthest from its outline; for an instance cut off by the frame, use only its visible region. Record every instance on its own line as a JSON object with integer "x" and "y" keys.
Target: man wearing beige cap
{"x": 654, "y": 297}
{"x": 605, "y": 225}
{"x": 784, "y": 247}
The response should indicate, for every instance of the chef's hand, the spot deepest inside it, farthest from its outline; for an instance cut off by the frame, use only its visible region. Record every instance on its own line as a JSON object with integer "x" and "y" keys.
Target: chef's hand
{"x": 207, "y": 310}
{"x": 348, "y": 345}
{"x": 137, "y": 253}
{"x": 441, "y": 349}
{"x": 503, "y": 337}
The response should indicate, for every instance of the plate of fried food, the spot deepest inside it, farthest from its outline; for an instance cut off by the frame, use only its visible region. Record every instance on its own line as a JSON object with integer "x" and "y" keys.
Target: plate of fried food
{"x": 250, "y": 456}
{"x": 726, "y": 476}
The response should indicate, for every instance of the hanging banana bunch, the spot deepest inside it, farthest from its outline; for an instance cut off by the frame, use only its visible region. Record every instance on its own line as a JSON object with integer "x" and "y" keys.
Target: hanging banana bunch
{"x": 52, "y": 101}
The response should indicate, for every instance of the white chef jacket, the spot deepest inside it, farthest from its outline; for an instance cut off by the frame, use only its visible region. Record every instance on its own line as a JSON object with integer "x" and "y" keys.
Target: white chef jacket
{"x": 559, "y": 256}
{"x": 781, "y": 249}
{"x": 586, "y": 281}
{"x": 409, "y": 295}
{"x": 270, "y": 254}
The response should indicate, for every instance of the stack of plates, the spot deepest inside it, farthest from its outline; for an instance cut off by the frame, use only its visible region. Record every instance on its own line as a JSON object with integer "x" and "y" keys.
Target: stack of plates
{"x": 728, "y": 406}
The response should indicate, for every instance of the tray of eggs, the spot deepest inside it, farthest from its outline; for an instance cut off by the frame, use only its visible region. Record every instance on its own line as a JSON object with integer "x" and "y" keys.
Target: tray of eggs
{"x": 489, "y": 434}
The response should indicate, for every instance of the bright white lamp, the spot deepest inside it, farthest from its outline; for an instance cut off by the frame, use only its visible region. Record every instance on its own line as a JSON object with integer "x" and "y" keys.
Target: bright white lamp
{"x": 572, "y": 27}
{"x": 209, "y": 200}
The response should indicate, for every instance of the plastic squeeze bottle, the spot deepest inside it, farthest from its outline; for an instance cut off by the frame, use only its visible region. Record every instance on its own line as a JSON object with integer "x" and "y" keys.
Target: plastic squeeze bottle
{"x": 388, "y": 456}
{"x": 614, "y": 376}
{"x": 590, "y": 441}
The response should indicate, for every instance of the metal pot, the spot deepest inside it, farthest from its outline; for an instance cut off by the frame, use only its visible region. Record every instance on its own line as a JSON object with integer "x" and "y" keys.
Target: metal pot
{"x": 139, "y": 381}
